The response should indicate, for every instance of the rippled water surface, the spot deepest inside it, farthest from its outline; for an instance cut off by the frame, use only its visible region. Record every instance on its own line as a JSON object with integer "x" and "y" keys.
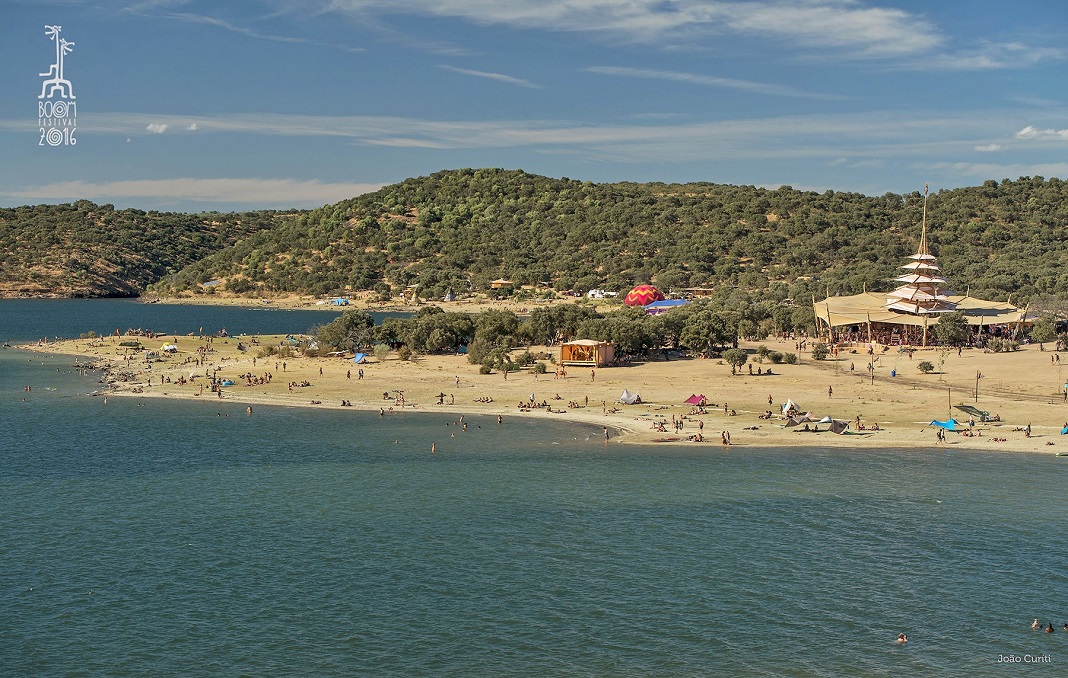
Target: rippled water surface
{"x": 148, "y": 538}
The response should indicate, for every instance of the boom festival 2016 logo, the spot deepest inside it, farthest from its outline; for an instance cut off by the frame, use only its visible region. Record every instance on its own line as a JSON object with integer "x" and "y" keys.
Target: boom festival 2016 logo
{"x": 57, "y": 110}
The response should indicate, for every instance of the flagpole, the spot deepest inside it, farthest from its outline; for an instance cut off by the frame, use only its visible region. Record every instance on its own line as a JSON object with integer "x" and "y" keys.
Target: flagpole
{"x": 978, "y": 376}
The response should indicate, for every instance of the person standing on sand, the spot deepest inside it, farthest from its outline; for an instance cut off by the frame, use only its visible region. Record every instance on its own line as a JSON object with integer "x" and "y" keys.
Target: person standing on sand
{"x": 606, "y": 434}
{"x": 830, "y": 391}
{"x": 593, "y": 375}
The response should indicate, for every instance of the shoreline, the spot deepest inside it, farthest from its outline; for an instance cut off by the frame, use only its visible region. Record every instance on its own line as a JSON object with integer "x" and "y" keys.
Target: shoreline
{"x": 893, "y": 403}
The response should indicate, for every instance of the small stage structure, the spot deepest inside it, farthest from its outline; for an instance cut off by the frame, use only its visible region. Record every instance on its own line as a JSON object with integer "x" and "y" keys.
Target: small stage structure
{"x": 586, "y": 353}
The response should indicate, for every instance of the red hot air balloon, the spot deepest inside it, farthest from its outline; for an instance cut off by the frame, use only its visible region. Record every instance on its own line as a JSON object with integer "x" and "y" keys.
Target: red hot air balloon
{"x": 642, "y": 295}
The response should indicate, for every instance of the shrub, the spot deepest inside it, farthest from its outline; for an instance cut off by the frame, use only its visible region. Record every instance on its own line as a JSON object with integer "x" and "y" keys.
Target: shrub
{"x": 790, "y": 358}
{"x": 404, "y": 353}
{"x": 925, "y": 366}
{"x": 775, "y": 357}
{"x": 539, "y": 368}
{"x": 285, "y": 351}
{"x": 762, "y": 353}
{"x": 485, "y": 369}
{"x": 820, "y": 351}
{"x": 311, "y": 352}
{"x": 997, "y": 345}
{"x": 266, "y": 351}
{"x": 382, "y": 352}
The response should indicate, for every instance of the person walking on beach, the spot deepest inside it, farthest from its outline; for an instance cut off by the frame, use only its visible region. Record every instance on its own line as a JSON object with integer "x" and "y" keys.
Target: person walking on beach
{"x": 606, "y": 434}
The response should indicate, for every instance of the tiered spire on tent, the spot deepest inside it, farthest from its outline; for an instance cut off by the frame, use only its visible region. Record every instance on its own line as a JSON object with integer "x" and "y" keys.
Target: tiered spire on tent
{"x": 921, "y": 293}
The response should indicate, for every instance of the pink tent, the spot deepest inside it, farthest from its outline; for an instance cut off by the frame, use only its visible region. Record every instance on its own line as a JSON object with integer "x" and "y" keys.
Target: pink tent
{"x": 695, "y": 399}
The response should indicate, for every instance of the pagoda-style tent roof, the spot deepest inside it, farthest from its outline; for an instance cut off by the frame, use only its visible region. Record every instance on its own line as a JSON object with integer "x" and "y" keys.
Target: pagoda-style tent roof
{"x": 859, "y": 309}
{"x": 918, "y": 301}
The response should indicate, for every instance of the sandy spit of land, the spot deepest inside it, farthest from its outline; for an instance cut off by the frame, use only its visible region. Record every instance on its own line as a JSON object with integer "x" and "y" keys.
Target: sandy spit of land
{"x": 1023, "y": 387}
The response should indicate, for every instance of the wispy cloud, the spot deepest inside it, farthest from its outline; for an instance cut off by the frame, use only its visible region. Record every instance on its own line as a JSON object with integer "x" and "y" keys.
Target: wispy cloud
{"x": 989, "y": 56}
{"x": 499, "y": 77}
{"x": 153, "y": 8}
{"x": 811, "y": 136}
{"x": 844, "y": 24}
{"x": 988, "y": 148}
{"x": 983, "y": 170}
{"x": 158, "y": 127}
{"x": 1032, "y": 132}
{"x": 710, "y": 81}
{"x": 268, "y": 192}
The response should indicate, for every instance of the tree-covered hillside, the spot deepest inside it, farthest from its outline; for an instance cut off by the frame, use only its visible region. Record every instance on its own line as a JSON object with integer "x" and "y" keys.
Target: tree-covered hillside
{"x": 464, "y": 228}
{"x": 89, "y": 250}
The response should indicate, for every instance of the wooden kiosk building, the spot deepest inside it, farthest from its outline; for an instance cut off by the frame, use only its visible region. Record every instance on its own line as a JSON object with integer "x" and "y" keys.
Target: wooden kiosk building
{"x": 586, "y": 353}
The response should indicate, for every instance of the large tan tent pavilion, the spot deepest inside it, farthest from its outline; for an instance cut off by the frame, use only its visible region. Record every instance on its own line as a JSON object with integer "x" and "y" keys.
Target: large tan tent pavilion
{"x": 904, "y": 315}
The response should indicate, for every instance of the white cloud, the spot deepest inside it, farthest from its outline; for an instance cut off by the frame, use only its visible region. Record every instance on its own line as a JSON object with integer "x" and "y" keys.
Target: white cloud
{"x": 710, "y": 80}
{"x": 268, "y": 192}
{"x": 1032, "y": 132}
{"x": 192, "y": 127}
{"x": 499, "y": 77}
{"x": 988, "y": 148}
{"x": 157, "y": 127}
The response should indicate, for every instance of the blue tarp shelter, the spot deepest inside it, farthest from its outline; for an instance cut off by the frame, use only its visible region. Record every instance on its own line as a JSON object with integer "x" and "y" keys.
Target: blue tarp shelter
{"x": 949, "y": 425}
{"x": 358, "y": 358}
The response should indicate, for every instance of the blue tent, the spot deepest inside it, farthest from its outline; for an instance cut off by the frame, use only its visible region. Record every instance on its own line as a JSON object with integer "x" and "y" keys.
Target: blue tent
{"x": 358, "y": 358}
{"x": 949, "y": 425}
{"x": 658, "y": 307}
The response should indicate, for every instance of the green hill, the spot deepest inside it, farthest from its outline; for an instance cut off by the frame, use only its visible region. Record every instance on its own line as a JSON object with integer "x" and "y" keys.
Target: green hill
{"x": 89, "y": 250}
{"x": 461, "y": 229}
{"x": 464, "y": 228}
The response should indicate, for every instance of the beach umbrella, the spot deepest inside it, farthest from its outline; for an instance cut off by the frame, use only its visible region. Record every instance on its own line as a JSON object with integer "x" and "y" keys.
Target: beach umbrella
{"x": 642, "y": 295}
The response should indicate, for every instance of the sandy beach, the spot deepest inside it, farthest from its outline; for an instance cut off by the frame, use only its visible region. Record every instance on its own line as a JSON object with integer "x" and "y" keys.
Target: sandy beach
{"x": 1025, "y": 388}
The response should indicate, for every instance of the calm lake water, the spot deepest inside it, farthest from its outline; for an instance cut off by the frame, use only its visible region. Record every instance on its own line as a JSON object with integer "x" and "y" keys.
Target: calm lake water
{"x": 164, "y": 538}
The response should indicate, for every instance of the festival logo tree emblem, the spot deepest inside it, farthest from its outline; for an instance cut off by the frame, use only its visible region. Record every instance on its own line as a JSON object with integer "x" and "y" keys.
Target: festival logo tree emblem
{"x": 56, "y": 109}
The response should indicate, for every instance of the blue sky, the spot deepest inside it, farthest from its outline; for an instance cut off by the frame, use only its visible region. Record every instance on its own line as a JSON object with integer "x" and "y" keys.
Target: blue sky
{"x": 192, "y": 105}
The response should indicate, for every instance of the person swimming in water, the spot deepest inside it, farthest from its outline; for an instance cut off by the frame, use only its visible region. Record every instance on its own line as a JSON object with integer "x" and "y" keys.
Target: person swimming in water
{"x": 1035, "y": 624}
{"x": 902, "y": 639}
